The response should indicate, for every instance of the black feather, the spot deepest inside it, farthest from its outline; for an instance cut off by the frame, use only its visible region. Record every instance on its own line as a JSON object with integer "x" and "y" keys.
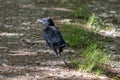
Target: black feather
{"x": 52, "y": 36}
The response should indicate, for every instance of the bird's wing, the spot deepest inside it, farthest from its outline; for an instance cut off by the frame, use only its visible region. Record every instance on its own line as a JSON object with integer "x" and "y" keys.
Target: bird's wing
{"x": 56, "y": 35}
{"x": 53, "y": 36}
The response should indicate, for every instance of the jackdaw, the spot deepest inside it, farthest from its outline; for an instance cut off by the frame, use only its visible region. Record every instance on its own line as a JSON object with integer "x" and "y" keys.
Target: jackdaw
{"x": 53, "y": 37}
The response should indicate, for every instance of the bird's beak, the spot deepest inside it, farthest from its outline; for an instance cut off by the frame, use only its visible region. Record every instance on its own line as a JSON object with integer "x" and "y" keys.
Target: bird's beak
{"x": 38, "y": 21}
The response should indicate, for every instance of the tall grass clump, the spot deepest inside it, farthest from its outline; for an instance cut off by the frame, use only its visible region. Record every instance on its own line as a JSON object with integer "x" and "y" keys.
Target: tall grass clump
{"x": 91, "y": 58}
{"x": 94, "y": 59}
{"x": 95, "y": 22}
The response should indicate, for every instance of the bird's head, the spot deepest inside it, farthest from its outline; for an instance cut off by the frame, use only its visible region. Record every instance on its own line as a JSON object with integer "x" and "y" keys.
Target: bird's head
{"x": 46, "y": 21}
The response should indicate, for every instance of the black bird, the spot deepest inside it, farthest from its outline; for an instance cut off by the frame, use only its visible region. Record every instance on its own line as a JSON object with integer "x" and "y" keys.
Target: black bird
{"x": 53, "y": 37}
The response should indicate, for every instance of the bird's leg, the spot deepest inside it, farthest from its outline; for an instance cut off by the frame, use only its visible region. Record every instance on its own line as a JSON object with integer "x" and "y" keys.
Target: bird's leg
{"x": 58, "y": 54}
{"x": 61, "y": 56}
{"x": 60, "y": 50}
{"x": 63, "y": 59}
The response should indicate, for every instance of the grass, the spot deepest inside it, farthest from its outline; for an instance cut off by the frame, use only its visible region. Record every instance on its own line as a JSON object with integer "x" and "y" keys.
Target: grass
{"x": 77, "y": 36}
{"x": 81, "y": 11}
{"x": 89, "y": 55}
{"x": 95, "y": 22}
{"x": 91, "y": 58}
{"x": 94, "y": 59}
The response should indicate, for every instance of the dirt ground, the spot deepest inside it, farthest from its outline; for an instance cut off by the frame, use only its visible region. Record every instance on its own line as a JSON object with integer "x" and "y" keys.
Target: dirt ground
{"x": 24, "y": 54}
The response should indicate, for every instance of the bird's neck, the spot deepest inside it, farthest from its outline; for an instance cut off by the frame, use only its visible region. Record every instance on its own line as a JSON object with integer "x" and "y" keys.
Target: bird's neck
{"x": 51, "y": 23}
